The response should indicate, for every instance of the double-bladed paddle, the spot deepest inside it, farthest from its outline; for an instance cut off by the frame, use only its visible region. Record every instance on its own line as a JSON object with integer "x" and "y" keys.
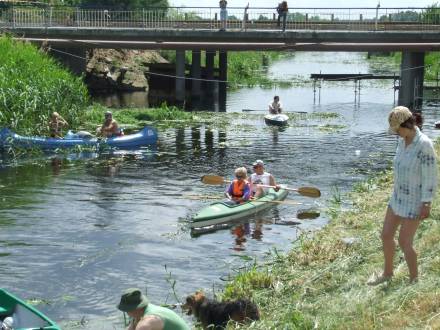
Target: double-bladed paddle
{"x": 305, "y": 191}
{"x": 260, "y": 110}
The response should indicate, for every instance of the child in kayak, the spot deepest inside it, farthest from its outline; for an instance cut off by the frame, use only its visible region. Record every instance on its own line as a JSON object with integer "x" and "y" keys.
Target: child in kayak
{"x": 239, "y": 190}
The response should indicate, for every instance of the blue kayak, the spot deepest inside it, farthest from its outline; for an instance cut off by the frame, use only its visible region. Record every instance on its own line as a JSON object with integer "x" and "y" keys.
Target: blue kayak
{"x": 144, "y": 137}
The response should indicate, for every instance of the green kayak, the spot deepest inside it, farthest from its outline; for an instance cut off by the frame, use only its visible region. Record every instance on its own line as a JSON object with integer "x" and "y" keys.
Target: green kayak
{"x": 17, "y": 315}
{"x": 221, "y": 212}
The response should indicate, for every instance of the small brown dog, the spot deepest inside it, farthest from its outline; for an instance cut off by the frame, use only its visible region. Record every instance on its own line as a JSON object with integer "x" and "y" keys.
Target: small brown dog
{"x": 215, "y": 315}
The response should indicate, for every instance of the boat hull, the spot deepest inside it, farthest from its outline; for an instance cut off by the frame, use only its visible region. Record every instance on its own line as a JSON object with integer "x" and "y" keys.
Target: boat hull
{"x": 276, "y": 119}
{"x": 144, "y": 137}
{"x": 221, "y": 212}
{"x": 23, "y": 315}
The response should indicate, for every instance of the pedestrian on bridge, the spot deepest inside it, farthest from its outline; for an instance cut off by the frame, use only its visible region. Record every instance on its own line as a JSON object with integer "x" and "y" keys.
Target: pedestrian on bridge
{"x": 245, "y": 17}
{"x": 223, "y": 14}
{"x": 282, "y": 10}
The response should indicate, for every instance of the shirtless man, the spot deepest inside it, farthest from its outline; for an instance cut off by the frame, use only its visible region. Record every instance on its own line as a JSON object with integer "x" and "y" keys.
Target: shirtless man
{"x": 56, "y": 123}
{"x": 275, "y": 107}
{"x": 110, "y": 127}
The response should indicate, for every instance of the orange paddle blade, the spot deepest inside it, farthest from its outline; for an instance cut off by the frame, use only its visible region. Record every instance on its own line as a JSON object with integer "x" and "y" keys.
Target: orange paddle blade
{"x": 213, "y": 179}
{"x": 309, "y": 192}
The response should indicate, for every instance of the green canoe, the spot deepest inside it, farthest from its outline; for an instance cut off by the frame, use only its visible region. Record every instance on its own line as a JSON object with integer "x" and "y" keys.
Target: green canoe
{"x": 22, "y": 315}
{"x": 221, "y": 212}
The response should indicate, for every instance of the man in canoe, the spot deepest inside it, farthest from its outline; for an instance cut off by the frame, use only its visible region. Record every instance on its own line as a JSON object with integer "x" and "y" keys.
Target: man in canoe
{"x": 275, "y": 107}
{"x": 110, "y": 127}
{"x": 239, "y": 190}
{"x": 261, "y": 177}
{"x": 56, "y": 123}
{"x": 146, "y": 316}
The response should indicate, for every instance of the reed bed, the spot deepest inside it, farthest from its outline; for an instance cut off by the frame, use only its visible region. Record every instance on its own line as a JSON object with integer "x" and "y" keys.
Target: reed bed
{"x": 32, "y": 86}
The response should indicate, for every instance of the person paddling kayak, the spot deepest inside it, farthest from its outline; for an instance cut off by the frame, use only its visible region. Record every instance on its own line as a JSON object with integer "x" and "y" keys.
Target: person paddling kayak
{"x": 260, "y": 176}
{"x": 239, "y": 190}
{"x": 275, "y": 107}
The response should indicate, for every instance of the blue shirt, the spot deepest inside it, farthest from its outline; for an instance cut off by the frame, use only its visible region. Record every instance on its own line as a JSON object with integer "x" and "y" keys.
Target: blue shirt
{"x": 415, "y": 176}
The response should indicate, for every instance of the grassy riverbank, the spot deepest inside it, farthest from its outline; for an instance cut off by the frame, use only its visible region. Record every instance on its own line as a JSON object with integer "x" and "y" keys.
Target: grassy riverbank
{"x": 320, "y": 283}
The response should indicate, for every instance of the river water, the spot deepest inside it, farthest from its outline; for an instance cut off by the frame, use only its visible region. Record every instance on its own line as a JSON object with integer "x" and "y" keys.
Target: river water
{"x": 76, "y": 231}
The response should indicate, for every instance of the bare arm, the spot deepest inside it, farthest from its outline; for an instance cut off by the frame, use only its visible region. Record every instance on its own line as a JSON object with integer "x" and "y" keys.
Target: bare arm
{"x": 150, "y": 322}
{"x": 273, "y": 183}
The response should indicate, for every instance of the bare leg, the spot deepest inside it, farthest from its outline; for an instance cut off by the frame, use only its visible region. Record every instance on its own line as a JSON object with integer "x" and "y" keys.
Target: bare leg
{"x": 406, "y": 238}
{"x": 389, "y": 229}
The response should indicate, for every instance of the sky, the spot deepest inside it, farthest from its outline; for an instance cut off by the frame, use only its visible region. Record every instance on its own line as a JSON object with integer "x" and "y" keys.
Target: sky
{"x": 306, "y": 3}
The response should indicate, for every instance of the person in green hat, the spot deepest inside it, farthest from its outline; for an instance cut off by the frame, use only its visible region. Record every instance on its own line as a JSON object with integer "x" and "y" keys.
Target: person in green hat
{"x": 146, "y": 316}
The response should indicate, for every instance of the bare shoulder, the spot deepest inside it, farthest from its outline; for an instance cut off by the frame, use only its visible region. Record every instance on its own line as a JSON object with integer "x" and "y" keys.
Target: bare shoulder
{"x": 150, "y": 322}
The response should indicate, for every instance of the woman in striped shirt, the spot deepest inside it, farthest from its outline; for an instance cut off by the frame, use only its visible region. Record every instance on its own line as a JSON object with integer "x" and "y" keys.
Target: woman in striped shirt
{"x": 415, "y": 183}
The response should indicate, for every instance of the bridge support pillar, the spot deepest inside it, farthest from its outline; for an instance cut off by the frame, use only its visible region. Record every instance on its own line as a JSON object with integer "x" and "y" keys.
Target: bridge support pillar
{"x": 209, "y": 69}
{"x": 196, "y": 73}
{"x": 411, "y": 83}
{"x": 180, "y": 76}
{"x": 72, "y": 58}
{"x": 223, "y": 77}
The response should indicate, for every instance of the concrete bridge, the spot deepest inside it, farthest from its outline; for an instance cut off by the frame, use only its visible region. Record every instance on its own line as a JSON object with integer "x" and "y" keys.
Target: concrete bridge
{"x": 72, "y": 31}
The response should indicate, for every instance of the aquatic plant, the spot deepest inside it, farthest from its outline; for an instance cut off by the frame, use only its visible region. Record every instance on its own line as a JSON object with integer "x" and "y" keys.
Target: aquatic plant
{"x": 32, "y": 86}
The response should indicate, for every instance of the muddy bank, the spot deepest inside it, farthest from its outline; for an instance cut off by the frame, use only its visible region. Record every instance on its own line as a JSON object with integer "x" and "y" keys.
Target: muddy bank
{"x": 119, "y": 70}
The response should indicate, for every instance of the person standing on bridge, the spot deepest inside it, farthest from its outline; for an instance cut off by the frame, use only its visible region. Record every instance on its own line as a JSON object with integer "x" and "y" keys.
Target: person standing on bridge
{"x": 245, "y": 17}
{"x": 223, "y": 14}
{"x": 282, "y": 10}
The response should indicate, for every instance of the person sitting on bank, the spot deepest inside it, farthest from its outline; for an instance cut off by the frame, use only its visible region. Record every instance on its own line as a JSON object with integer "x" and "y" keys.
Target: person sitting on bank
{"x": 275, "y": 107}
{"x": 110, "y": 127}
{"x": 261, "y": 177}
{"x": 56, "y": 123}
{"x": 146, "y": 316}
{"x": 239, "y": 190}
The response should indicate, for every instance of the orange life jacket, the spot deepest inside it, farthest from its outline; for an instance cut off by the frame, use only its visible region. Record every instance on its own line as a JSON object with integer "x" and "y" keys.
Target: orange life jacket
{"x": 238, "y": 188}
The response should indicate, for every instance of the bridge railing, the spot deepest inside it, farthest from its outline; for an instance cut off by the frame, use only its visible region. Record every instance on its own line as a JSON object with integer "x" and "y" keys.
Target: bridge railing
{"x": 208, "y": 18}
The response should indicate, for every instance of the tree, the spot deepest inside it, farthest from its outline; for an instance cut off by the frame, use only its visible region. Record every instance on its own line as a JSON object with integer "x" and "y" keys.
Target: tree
{"x": 123, "y": 4}
{"x": 110, "y": 4}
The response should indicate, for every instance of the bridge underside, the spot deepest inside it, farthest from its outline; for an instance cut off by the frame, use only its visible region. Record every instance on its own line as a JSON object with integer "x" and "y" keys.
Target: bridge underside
{"x": 236, "y": 46}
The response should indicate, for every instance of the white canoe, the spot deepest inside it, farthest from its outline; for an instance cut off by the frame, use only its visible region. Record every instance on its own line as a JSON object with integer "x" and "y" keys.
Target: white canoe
{"x": 276, "y": 119}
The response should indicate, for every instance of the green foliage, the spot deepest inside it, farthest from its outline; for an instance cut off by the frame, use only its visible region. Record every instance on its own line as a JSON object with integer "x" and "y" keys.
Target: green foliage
{"x": 249, "y": 68}
{"x": 32, "y": 86}
{"x": 133, "y": 119}
{"x": 124, "y": 4}
{"x": 432, "y": 14}
{"x": 110, "y": 4}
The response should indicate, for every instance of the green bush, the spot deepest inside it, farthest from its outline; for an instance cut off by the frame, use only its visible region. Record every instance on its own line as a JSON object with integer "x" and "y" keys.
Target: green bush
{"x": 32, "y": 86}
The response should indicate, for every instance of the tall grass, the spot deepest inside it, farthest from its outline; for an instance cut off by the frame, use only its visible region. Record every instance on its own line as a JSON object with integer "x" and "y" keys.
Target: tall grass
{"x": 32, "y": 85}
